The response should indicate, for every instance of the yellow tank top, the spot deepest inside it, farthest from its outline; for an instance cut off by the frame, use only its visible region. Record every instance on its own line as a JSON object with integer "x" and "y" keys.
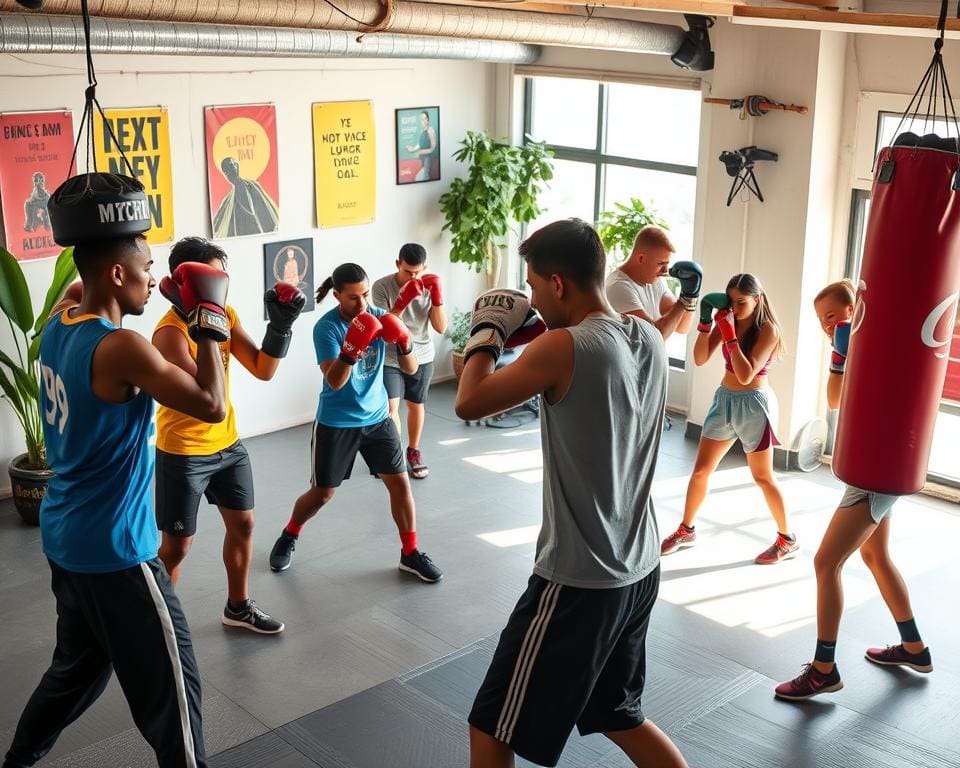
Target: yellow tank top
{"x": 184, "y": 435}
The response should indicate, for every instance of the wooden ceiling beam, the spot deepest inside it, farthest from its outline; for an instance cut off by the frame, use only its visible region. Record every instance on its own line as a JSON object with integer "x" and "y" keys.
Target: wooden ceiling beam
{"x": 703, "y": 7}
{"x": 877, "y": 23}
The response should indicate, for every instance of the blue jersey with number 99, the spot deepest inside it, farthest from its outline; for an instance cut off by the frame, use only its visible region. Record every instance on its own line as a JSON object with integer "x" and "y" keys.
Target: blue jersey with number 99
{"x": 97, "y": 515}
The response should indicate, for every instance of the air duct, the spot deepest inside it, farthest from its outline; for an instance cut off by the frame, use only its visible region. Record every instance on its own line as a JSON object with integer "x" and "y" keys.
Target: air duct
{"x": 40, "y": 33}
{"x": 407, "y": 18}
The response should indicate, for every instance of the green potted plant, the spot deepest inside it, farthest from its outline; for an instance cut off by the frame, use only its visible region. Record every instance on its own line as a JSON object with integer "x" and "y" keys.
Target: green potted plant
{"x": 500, "y": 191}
{"x": 618, "y": 229}
{"x": 459, "y": 334}
{"x": 20, "y": 376}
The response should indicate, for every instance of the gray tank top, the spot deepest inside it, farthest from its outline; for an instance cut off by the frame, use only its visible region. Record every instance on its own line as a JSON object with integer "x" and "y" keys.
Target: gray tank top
{"x": 600, "y": 445}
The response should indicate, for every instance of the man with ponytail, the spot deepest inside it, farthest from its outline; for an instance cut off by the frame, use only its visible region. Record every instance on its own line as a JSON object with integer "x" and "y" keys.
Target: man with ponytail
{"x": 351, "y": 342}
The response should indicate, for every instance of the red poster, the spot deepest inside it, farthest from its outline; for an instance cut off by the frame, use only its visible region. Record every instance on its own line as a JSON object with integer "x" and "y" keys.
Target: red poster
{"x": 242, "y": 169}
{"x": 35, "y": 151}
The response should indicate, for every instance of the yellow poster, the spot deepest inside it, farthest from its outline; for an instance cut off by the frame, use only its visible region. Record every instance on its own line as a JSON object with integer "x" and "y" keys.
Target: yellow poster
{"x": 345, "y": 163}
{"x": 144, "y": 137}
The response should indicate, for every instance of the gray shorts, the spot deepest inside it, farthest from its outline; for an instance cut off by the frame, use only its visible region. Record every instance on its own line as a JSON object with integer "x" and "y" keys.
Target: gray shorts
{"x": 747, "y": 415}
{"x": 411, "y": 387}
{"x": 879, "y": 504}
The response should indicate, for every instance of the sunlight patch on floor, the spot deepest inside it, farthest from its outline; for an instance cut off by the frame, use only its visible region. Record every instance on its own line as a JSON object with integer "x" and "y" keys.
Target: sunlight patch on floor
{"x": 507, "y": 461}
{"x": 511, "y": 537}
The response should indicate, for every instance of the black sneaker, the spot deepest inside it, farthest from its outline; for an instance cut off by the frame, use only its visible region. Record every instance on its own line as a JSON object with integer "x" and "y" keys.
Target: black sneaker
{"x": 282, "y": 551}
{"x": 420, "y": 564}
{"x": 252, "y": 618}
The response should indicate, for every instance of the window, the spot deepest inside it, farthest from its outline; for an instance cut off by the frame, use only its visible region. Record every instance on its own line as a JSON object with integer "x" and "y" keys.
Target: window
{"x": 614, "y": 141}
{"x": 887, "y": 123}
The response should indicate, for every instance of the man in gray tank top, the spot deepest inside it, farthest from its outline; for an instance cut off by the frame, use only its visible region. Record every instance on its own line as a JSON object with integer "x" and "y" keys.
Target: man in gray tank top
{"x": 573, "y": 652}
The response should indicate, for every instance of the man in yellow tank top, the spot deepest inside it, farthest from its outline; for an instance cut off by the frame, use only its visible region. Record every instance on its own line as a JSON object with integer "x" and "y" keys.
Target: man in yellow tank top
{"x": 195, "y": 458}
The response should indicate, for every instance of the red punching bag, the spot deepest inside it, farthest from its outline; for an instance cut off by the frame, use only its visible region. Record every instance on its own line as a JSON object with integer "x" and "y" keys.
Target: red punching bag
{"x": 903, "y": 322}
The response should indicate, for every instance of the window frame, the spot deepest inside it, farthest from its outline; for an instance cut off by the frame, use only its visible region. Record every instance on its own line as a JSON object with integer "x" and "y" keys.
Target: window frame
{"x": 598, "y": 156}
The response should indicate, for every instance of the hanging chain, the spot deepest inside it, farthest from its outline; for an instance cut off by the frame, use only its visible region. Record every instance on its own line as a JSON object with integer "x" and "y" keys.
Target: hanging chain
{"x": 90, "y": 101}
{"x": 934, "y": 89}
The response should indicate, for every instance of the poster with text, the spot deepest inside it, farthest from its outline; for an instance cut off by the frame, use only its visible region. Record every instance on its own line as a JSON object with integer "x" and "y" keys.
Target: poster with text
{"x": 35, "y": 151}
{"x": 143, "y": 135}
{"x": 242, "y": 169}
{"x": 418, "y": 145}
{"x": 290, "y": 261}
{"x": 345, "y": 163}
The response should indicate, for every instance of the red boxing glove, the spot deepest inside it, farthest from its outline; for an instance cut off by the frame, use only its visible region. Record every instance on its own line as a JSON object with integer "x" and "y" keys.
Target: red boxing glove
{"x": 199, "y": 291}
{"x": 363, "y": 329}
{"x": 432, "y": 284}
{"x": 395, "y": 332}
{"x": 527, "y": 332}
{"x": 724, "y": 319}
{"x": 410, "y": 290}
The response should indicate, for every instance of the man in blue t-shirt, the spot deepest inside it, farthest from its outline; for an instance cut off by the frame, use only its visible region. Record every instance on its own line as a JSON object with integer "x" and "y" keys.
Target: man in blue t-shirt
{"x": 116, "y": 609}
{"x": 352, "y": 416}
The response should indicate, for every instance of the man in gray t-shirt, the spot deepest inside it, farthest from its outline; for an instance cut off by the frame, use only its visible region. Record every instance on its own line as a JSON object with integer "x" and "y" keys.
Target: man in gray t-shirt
{"x": 573, "y": 652}
{"x": 637, "y": 286}
{"x": 416, "y": 298}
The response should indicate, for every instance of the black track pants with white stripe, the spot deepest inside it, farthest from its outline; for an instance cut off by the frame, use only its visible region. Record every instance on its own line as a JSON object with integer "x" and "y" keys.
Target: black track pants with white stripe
{"x": 130, "y": 622}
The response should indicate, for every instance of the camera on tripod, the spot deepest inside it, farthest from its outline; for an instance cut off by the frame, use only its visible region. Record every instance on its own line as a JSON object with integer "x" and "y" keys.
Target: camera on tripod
{"x": 738, "y": 159}
{"x": 739, "y": 164}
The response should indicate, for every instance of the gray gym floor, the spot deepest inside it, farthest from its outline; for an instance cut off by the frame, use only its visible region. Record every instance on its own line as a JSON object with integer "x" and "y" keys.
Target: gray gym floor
{"x": 378, "y": 670}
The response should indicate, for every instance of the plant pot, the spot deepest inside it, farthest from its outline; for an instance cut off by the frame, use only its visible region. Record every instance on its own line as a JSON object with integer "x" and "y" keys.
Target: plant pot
{"x": 457, "y": 364}
{"x": 29, "y": 488}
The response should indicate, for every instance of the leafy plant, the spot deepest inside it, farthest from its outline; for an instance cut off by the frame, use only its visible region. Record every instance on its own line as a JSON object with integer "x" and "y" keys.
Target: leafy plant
{"x": 501, "y": 189}
{"x": 459, "y": 330}
{"x": 20, "y": 377}
{"x": 618, "y": 228}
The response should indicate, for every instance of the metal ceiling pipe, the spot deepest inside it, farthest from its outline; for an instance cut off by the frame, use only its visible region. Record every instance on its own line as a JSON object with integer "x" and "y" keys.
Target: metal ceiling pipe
{"x": 42, "y": 33}
{"x": 411, "y": 18}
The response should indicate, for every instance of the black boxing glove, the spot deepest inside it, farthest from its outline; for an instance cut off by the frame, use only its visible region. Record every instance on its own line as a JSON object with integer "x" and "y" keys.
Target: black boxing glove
{"x": 283, "y": 304}
{"x": 690, "y": 276}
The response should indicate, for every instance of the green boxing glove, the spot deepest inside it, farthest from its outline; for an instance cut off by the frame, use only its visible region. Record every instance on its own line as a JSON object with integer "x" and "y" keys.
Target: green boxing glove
{"x": 710, "y": 302}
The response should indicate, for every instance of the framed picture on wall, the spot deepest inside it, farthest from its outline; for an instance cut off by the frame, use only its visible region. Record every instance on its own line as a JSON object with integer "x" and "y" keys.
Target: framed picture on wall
{"x": 290, "y": 261}
{"x": 418, "y": 145}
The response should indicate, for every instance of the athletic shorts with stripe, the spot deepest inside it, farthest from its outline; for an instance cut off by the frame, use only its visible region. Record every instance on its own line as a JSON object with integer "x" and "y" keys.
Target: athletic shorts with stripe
{"x": 129, "y": 622}
{"x": 567, "y": 657}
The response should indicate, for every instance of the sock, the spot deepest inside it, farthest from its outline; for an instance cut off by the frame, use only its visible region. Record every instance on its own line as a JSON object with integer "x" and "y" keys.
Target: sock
{"x": 293, "y": 528}
{"x": 908, "y": 631}
{"x": 688, "y": 528}
{"x": 237, "y": 607}
{"x": 791, "y": 537}
{"x": 408, "y": 541}
{"x": 826, "y": 649}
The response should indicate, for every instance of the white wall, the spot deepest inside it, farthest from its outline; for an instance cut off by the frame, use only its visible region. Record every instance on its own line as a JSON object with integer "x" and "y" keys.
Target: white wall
{"x": 184, "y": 86}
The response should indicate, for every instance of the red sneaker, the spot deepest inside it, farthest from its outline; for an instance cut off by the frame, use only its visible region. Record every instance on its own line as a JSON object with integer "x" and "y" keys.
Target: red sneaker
{"x": 781, "y": 549}
{"x": 809, "y": 683}
{"x": 898, "y": 656}
{"x": 682, "y": 537}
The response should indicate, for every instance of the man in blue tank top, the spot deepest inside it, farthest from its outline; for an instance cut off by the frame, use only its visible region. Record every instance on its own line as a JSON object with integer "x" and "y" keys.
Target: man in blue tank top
{"x": 573, "y": 652}
{"x": 116, "y": 609}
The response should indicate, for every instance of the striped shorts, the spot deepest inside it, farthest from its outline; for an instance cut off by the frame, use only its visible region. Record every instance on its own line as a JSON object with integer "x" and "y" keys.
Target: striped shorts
{"x": 567, "y": 657}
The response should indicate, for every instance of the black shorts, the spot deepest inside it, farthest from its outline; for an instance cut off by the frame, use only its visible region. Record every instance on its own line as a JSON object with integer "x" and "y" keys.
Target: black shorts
{"x": 567, "y": 657}
{"x": 411, "y": 387}
{"x": 225, "y": 478}
{"x": 334, "y": 449}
